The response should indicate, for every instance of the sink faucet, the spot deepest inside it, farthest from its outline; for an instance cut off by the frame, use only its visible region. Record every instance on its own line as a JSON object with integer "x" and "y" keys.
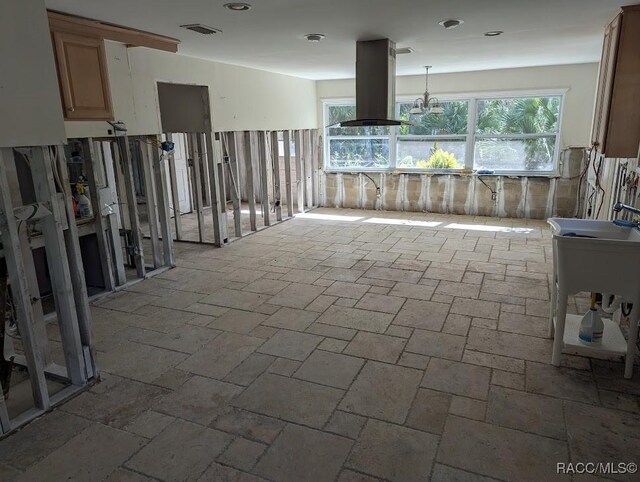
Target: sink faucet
{"x": 620, "y": 206}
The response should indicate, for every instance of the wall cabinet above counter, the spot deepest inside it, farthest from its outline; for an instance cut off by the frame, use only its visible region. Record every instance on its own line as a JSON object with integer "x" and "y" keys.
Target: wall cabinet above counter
{"x": 81, "y": 62}
{"x": 616, "y": 125}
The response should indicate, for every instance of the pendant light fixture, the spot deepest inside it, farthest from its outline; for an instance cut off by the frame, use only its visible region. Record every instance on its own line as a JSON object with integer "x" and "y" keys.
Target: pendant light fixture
{"x": 426, "y": 104}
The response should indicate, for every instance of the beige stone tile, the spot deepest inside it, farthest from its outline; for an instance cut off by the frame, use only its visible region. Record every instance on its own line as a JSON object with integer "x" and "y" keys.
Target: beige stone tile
{"x": 456, "y": 324}
{"x": 353, "y": 476}
{"x": 343, "y": 274}
{"x": 114, "y": 446}
{"x": 291, "y": 319}
{"x": 444, "y": 473}
{"x": 620, "y": 401}
{"x": 291, "y": 344}
{"x": 602, "y": 434}
{"x": 429, "y": 411}
{"x": 446, "y": 274}
{"x": 301, "y": 276}
{"x": 422, "y": 314}
{"x": 266, "y": 286}
{"x": 382, "y": 303}
{"x": 241, "y": 300}
{"x": 221, "y": 355}
{"x": 347, "y": 290}
{"x": 493, "y": 361}
{"x": 242, "y": 454}
{"x": 509, "y": 344}
{"x": 507, "y": 379}
{"x": 293, "y": 400}
{"x": 457, "y": 378}
{"x": 528, "y": 412}
{"x": 413, "y": 360}
{"x": 356, "y": 319}
{"x": 441, "y": 345}
{"x": 399, "y": 331}
{"x": 181, "y": 452}
{"x": 219, "y": 472}
{"x": 303, "y": 454}
{"x": 345, "y": 424}
{"x": 511, "y": 288}
{"x": 251, "y": 368}
{"x": 333, "y": 345}
{"x": 382, "y": 391}
{"x": 338, "y": 332}
{"x": 499, "y": 452}
{"x": 394, "y": 453}
{"x": 463, "y": 290}
{"x": 297, "y": 295}
{"x": 393, "y": 274}
{"x": 483, "y": 267}
{"x": 479, "y": 308}
{"x": 115, "y": 403}
{"x": 125, "y": 475}
{"x": 38, "y": 439}
{"x": 524, "y": 324}
{"x": 331, "y": 369}
{"x": 284, "y": 367}
{"x": 321, "y": 303}
{"x": 537, "y": 307}
{"x": 485, "y": 323}
{"x": 264, "y": 332}
{"x": 346, "y": 302}
{"x": 410, "y": 290}
{"x": 198, "y": 400}
{"x": 250, "y": 425}
{"x": 468, "y": 407}
{"x": 149, "y": 424}
{"x": 376, "y": 347}
{"x": 561, "y": 382}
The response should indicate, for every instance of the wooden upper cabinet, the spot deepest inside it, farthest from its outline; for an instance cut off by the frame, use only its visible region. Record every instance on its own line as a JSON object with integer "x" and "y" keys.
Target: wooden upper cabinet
{"x": 82, "y": 72}
{"x": 616, "y": 125}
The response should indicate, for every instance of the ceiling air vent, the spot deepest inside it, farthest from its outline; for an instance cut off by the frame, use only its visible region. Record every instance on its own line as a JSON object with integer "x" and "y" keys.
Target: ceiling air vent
{"x": 202, "y": 29}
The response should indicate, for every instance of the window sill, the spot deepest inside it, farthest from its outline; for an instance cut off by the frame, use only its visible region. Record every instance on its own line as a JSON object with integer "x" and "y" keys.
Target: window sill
{"x": 460, "y": 173}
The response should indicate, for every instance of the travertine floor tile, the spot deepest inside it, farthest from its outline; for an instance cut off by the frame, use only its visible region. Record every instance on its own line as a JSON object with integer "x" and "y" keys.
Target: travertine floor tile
{"x": 242, "y": 454}
{"x": 297, "y": 295}
{"x": 422, "y": 314}
{"x": 238, "y": 321}
{"x": 383, "y": 303}
{"x": 429, "y": 411}
{"x": 303, "y": 454}
{"x": 291, "y": 319}
{"x": 290, "y": 399}
{"x": 330, "y": 369}
{"x": 393, "y": 452}
{"x": 528, "y": 412}
{"x": 441, "y": 345}
{"x": 499, "y": 452}
{"x": 382, "y": 391}
{"x": 345, "y": 424}
{"x": 250, "y": 425}
{"x": 376, "y": 347}
{"x": 291, "y": 344}
{"x": 457, "y": 378}
{"x": 561, "y": 382}
{"x": 181, "y": 452}
{"x": 356, "y": 319}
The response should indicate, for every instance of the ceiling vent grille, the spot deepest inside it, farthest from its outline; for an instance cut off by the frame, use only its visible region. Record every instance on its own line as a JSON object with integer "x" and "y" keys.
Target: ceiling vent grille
{"x": 201, "y": 29}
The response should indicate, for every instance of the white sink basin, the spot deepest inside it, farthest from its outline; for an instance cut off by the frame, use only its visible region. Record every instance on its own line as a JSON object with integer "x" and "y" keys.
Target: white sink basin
{"x": 596, "y": 256}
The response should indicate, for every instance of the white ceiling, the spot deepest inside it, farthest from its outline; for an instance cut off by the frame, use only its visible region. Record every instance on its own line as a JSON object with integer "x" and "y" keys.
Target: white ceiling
{"x": 270, "y": 35}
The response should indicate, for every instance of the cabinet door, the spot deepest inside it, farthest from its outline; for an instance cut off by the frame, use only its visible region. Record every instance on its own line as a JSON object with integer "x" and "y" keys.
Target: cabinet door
{"x": 605, "y": 82}
{"x": 82, "y": 70}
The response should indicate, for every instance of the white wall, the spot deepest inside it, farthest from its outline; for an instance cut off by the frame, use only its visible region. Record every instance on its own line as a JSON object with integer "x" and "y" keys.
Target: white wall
{"x": 30, "y": 107}
{"x": 241, "y": 98}
{"x": 579, "y": 79}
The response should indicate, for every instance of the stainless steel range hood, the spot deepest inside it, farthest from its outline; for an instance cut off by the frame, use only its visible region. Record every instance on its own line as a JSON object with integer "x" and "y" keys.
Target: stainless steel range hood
{"x": 375, "y": 84}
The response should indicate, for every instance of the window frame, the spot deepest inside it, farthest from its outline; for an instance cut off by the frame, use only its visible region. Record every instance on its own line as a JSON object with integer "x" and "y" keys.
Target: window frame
{"x": 471, "y": 136}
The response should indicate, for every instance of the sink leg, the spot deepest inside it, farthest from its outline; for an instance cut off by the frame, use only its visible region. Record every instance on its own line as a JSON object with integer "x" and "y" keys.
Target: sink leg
{"x": 631, "y": 342}
{"x": 553, "y": 305}
{"x": 561, "y": 315}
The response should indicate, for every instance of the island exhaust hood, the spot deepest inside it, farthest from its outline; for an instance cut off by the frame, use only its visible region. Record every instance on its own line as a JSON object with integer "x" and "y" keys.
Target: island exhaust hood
{"x": 375, "y": 84}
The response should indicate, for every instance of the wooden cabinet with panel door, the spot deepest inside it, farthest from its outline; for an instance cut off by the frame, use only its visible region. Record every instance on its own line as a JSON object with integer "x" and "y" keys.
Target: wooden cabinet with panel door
{"x": 82, "y": 72}
{"x": 616, "y": 125}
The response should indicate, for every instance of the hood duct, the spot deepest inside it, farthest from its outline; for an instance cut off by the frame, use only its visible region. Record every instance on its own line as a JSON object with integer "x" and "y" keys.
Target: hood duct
{"x": 375, "y": 84}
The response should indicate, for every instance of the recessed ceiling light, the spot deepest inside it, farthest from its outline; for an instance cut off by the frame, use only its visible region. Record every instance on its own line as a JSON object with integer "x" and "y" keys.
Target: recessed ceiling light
{"x": 493, "y": 33}
{"x": 237, "y": 7}
{"x": 314, "y": 37}
{"x": 202, "y": 29}
{"x": 404, "y": 50}
{"x": 451, "y": 23}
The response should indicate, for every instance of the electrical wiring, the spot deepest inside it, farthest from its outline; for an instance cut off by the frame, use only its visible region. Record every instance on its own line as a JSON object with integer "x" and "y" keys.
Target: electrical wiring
{"x": 494, "y": 194}
{"x": 582, "y": 174}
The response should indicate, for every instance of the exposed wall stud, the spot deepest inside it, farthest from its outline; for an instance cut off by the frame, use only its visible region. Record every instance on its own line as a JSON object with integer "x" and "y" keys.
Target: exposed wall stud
{"x": 248, "y": 165}
{"x": 146, "y": 154}
{"x": 300, "y": 181}
{"x": 275, "y": 169}
{"x": 286, "y": 137}
{"x": 175, "y": 197}
{"x": 213, "y": 182}
{"x": 159, "y": 170}
{"x": 234, "y": 178}
{"x": 264, "y": 180}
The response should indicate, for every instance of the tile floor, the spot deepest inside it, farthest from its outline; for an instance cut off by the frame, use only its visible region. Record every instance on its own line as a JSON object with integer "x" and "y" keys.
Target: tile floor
{"x": 341, "y": 345}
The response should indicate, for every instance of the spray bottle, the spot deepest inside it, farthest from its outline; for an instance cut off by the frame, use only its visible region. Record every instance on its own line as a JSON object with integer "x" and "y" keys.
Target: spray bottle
{"x": 591, "y": 326}
{"x": 84, "y": 205}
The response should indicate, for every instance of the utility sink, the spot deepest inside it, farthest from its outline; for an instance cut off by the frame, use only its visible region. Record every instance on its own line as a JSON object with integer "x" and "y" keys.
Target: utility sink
{"x": 596, "y": 256}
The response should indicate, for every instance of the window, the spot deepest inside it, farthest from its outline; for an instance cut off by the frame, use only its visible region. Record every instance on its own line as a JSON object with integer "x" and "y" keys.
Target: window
{"x": 500, "y": 134}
